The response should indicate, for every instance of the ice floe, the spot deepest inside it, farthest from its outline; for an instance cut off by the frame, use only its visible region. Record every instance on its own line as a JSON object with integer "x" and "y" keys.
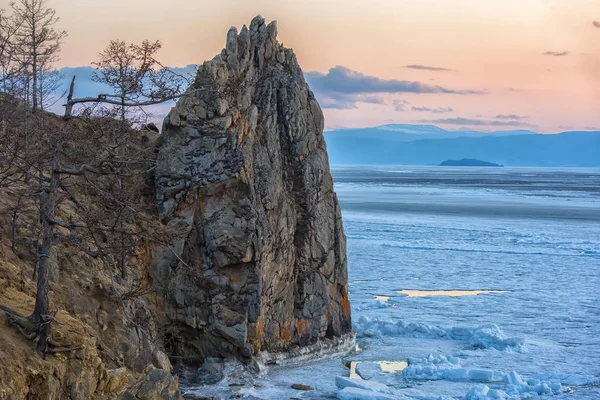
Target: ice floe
{"x": 354, "y": 393}
{"x": 377, "y": 303}
{"x": 344, "y": 382}
{"x": 359, "y": 389}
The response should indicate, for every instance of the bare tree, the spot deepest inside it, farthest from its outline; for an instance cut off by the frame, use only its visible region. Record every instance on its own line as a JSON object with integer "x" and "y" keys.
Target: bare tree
{"x": 90, "y": 164}
{"x": 49, "y": 82}
{"x": 100, "y": 173}
{"x": 11, "y": 63}
{"x": 39, "y": 42}
{"x": 135, "y": 75}
{"x": 90, "y": 161}
{"x": 25, "y": 160}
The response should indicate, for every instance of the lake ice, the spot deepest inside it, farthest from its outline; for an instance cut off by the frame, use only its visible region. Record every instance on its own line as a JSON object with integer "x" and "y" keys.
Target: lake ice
{"x": 465, "y": 283}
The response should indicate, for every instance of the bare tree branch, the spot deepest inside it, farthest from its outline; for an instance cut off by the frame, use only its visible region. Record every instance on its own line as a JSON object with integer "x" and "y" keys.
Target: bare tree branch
{"x": 103, "y": 99}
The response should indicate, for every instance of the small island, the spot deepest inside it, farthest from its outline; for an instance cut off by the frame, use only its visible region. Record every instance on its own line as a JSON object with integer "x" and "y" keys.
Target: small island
{"x": 468, "y": 162}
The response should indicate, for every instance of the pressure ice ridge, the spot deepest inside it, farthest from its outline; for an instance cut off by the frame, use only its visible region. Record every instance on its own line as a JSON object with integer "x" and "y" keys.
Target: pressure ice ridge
{"x": 484, "y": 337}
{"x": 488, "y": 383}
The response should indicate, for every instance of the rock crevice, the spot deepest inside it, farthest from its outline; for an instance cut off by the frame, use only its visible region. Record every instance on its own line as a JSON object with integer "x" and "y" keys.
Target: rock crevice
{"x": 243, "y": 170}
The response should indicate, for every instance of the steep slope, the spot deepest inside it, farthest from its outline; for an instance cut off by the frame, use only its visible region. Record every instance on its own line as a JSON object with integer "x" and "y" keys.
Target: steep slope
{"x": 108, "y": 325}
{"x": 243, "y": 168}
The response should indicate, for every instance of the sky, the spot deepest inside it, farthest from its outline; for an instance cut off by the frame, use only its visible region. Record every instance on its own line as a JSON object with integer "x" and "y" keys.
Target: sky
{"x": 486, "y": 65}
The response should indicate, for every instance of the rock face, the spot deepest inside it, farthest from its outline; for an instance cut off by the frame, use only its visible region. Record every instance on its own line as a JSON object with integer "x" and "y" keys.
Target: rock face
{"x": 242, "y": 171}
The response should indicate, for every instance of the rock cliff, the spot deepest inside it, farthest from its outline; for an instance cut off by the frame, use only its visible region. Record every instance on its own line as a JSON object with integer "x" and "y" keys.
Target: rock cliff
{"x": 242, "y": 168}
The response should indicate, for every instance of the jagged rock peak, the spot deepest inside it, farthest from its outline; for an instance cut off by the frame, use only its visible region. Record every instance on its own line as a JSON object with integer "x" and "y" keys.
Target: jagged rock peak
{"x": 243, "y": 171}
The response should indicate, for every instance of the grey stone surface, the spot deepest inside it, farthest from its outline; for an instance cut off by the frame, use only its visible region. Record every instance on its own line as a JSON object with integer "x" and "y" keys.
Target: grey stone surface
{"x": 242, "y": 170}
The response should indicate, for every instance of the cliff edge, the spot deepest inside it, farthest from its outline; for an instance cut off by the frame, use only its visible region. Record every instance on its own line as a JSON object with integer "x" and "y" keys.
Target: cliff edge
{"x": 243, "y": 169}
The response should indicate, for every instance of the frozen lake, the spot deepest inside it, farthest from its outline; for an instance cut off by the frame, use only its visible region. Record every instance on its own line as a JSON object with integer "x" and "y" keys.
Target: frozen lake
{"x": 465, "y": 283}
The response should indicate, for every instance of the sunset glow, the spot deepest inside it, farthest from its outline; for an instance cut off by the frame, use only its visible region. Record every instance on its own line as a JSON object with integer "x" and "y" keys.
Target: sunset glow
{"x": 536, "y": 59}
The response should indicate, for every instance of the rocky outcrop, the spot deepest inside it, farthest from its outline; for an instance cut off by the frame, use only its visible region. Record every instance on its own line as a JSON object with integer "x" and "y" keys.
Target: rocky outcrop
{"x": 242, "y": 171}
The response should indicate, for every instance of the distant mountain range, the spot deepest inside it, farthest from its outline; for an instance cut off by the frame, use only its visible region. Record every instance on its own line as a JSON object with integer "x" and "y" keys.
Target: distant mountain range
{"x": 430, "y": 145}
{"x": 468, "y": 162}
